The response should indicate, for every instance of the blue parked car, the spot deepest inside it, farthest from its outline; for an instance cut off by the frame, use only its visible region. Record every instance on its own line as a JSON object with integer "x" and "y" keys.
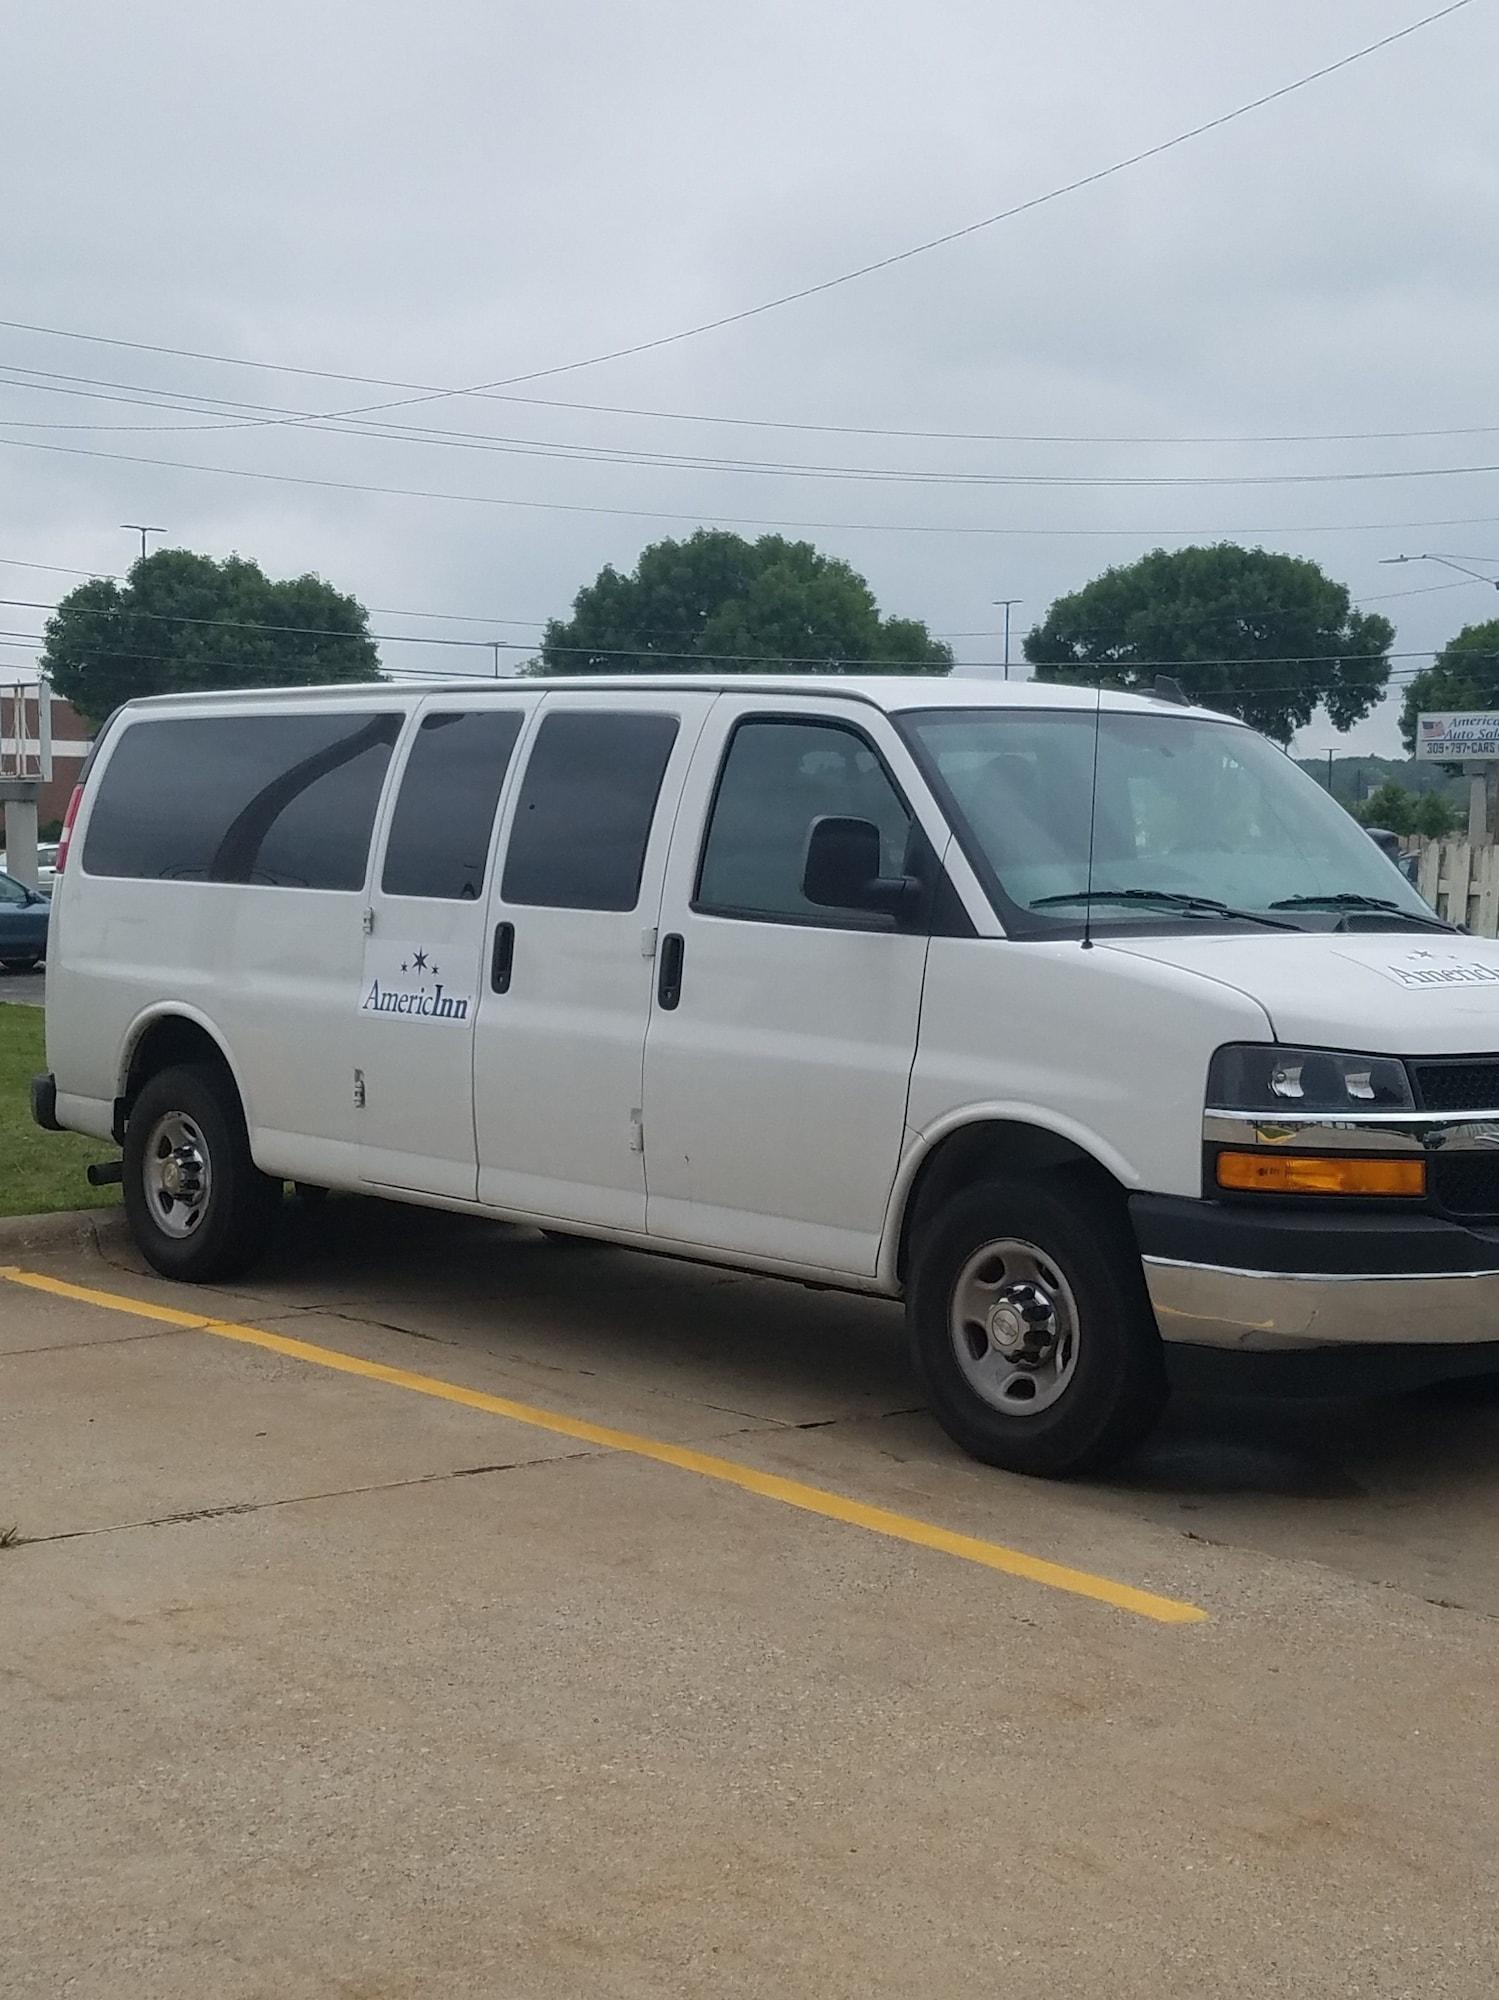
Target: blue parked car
{"x": 23, "y": 925}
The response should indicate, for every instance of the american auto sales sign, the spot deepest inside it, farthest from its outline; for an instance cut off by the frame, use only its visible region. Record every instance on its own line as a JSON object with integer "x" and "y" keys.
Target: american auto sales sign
{"x": 1452, "y": 737}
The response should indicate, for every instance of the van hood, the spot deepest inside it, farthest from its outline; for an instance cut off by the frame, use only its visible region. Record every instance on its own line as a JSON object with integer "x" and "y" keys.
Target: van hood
{"x": 1389, "y": 992}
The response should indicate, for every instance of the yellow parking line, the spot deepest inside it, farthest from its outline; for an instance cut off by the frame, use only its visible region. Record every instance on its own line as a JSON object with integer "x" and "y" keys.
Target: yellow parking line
{"x": 768, "y": 1485}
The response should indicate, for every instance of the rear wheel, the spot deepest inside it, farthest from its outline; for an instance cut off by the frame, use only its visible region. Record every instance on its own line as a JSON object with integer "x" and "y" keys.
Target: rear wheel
{"x": 1031, "y": 1329}
{"x": 198, "y": 1206}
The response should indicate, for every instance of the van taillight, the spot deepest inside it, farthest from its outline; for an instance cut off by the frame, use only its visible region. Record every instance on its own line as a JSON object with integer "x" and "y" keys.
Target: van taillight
{"x": 64, "y": 839}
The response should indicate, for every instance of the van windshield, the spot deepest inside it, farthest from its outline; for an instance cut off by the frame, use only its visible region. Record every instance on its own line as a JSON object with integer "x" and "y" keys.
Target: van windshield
{"x": 1195, "y": 822}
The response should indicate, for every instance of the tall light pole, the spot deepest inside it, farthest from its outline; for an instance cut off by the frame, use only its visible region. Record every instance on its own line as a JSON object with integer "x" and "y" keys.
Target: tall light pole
{"x": 1004, "y": 604}
{"x": 140, "y": 528}
{"x": 495, "y": 645}
{"x": 1480, "y": 816}
{"x": 1451, "y": 562}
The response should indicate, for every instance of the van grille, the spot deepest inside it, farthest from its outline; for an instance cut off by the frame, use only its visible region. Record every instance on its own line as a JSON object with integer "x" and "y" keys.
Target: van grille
{"x": 1461, "y": 1083}
{"x": 1466, "y": 1183}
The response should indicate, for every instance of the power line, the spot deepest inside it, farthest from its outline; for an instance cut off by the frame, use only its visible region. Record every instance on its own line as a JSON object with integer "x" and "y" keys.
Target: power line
{"x": 493, "y": 618}
{"x": 730, "y": 520}
{"x": 379, "y": 610}
{"x": 685, "y": 416}
{"x": 968, "y": 229}
{"x": 878, "y": 264}
{"x": 587, "y": 454}
{"x": 814, "y": 660}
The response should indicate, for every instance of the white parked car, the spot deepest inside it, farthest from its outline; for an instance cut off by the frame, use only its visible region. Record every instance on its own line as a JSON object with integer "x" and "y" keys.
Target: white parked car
{"x": 46, "y": 865}
{"x": 1088, "y": 1025}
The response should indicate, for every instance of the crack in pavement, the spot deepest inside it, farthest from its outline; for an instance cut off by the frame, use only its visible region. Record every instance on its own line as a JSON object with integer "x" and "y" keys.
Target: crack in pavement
{"x": 185, "y": 1516}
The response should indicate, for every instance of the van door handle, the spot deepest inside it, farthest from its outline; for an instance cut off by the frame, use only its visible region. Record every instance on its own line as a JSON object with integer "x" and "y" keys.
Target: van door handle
{"x": 669, "y": 980}
{"x": 502, "y": 958}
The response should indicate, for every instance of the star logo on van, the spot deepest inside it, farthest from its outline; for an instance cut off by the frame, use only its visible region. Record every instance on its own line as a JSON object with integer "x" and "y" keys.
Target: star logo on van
{"x": 419, "y": 962}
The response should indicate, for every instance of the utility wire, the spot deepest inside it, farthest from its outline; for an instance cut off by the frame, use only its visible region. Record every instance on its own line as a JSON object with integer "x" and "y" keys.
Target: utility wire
{"x": 693, "y": 416}
{"x": 897, "y": 257}
{"x": 815, "y": 660}
{"x": 698, "y": 462}
{"x": 968, "y": 229}
{"x": 730, "y": 520}
{"x": 491, "y": 619}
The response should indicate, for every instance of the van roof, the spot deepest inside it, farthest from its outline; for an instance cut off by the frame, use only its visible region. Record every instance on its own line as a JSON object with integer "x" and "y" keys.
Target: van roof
{"x": 894, "y": 693}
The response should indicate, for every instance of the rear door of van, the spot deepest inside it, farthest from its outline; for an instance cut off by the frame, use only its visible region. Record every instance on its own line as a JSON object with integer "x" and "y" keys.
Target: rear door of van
{"x": 560, "y": 1043}
{"x": 219, "y": 875}
{"x": 425, "y": 952}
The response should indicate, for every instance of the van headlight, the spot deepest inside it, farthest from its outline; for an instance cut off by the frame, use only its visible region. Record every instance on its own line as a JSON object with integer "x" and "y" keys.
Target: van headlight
{"x": 1261, "y": 1077}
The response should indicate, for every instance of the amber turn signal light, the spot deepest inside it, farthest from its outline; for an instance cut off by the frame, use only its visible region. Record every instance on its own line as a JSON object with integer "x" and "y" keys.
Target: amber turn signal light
{"x": 1306, "y": 1173}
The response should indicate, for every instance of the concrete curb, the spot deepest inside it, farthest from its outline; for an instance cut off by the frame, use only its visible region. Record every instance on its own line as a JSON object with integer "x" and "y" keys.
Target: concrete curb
{"x": 67, "y": 1230}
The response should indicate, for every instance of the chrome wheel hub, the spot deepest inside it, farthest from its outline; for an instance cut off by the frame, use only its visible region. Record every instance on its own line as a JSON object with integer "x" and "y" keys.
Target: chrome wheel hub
{"x": 1014, "y": 1327}
{"x": 177, "y": 1174}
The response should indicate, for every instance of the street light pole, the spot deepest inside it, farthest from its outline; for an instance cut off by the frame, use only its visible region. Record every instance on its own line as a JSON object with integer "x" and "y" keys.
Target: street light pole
{"x": 1004, "y": 604}
{"x": 1450, "y": 562}
{"x": 140, "y": 528}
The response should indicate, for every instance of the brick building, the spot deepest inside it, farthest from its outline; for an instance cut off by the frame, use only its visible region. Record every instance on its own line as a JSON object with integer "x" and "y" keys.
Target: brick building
{"x": 21, "y": 747}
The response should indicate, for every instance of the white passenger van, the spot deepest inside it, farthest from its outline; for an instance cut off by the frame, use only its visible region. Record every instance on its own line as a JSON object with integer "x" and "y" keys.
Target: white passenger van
{"x": 1087, "y": 1024}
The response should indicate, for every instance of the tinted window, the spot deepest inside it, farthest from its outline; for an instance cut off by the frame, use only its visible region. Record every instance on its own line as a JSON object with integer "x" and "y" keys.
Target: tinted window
{"x": 281, "y": 800}
{"x": 777, "y": 779}
{"x": 585, "y": 809}
{"x": 11, "y": 891}
{"x": 439, "y": 833}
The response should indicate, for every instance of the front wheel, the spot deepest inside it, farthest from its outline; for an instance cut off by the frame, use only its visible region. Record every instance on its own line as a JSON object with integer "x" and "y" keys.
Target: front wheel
{"x": 1031, "y": 1329}
{"x": 198, "y": 1206}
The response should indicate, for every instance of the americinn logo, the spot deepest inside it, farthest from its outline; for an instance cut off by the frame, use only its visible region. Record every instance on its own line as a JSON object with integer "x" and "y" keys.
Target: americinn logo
{"x": 411, "y": 984}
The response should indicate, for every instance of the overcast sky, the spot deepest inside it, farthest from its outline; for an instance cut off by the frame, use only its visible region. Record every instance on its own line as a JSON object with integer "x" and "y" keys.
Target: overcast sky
{"x": 467, "y": 191}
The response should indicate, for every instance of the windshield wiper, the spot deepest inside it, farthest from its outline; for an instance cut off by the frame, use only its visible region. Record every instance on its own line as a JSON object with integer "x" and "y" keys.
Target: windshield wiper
{"x": 1348, "y": 899}
{"x": 1173, "y": 899}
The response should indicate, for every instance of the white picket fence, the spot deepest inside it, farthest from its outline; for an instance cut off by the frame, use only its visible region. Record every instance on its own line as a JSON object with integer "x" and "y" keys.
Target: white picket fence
{"x": 1460, "y": 879}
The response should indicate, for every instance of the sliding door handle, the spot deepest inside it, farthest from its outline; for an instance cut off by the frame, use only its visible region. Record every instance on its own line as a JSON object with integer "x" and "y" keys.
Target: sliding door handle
{"x": 502, "y": 957}
{"x": 669, "y": 979}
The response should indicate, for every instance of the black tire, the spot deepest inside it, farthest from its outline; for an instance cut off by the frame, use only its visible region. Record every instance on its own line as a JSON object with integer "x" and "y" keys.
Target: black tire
{"x": 21, "y": 964}
{"x": 1110, "y": 1393}
{"x": 234, "y": 1221}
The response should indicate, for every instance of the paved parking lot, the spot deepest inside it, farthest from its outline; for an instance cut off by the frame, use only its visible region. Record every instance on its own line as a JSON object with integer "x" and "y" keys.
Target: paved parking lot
{"x": 456, "y": 1613}
{"x": 27, "y": 987}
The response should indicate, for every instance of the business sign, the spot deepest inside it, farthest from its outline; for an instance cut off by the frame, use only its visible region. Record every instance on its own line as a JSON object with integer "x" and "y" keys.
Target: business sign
{"x": 1452, "y": 738}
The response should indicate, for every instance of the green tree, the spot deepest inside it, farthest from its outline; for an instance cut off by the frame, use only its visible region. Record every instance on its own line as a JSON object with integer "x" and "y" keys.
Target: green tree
{"x": 1465, "y": 674}
{"x": 183, "y": 622}
{"x": 717, "y": 600}
{"x": 1263, "y": 636}
{"x": 1392, "y": 807}
{"x": 1435, "y": 816}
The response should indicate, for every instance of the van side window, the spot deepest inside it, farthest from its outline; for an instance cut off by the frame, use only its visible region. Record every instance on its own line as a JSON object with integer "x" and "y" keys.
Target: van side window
{"x": 280, "y": 801}
{"x": 777, "y": 778}
{"x": 585, "y": 809}
{"x": 438, "y": 843}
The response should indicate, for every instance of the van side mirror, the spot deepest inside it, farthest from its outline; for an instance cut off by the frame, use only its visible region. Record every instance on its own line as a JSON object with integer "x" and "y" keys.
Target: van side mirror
{"x": 842, "y": 870}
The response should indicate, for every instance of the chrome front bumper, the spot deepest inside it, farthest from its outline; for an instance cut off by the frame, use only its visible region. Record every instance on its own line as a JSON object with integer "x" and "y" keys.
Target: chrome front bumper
{"x": 1210, "y": 1305}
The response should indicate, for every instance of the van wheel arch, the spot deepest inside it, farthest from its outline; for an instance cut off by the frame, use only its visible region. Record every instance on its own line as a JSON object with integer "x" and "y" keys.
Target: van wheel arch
{"x": 990, "y": 1149}
{"x": 170, "y": 1041}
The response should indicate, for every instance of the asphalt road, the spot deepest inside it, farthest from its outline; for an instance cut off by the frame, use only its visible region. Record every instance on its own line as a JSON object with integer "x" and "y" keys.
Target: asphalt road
{"x": 29, "y": 987}
{"x": 457, "y": 1613}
